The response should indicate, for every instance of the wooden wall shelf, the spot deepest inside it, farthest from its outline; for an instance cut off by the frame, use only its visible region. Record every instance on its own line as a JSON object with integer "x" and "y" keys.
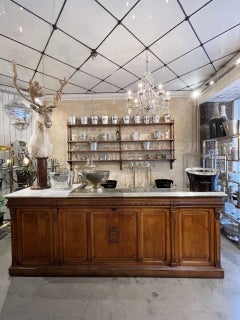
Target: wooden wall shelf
{"x": 116, "y": 148}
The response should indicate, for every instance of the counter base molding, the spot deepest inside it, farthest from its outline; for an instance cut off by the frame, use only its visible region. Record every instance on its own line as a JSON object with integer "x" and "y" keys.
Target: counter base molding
{"x": 118, "y": 271}
{"x": 147, "y": 236}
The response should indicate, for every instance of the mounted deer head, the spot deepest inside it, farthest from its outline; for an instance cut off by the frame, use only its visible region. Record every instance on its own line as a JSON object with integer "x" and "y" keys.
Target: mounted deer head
{"x": 35, "y": 92}
{"x": 39, "y": 145}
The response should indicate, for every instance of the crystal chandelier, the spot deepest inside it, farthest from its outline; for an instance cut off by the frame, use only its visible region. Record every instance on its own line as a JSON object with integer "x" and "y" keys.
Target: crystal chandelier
{"x": 149, "y": 100}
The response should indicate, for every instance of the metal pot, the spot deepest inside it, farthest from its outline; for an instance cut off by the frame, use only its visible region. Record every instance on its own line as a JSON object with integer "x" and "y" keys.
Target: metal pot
{"x": 163, "y": 183}
{"x": 109, "y": 184}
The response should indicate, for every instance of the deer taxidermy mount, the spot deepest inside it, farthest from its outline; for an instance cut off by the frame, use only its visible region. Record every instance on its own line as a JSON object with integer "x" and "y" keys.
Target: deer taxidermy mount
{"x": 39, "y": 145}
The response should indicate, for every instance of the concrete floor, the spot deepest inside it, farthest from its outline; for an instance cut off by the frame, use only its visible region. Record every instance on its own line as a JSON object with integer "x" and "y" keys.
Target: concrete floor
{"x": 42, "y": 298}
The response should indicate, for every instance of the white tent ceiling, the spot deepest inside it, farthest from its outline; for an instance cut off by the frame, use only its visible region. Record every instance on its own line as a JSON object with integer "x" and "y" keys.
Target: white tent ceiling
{"x": 188, "y": 41}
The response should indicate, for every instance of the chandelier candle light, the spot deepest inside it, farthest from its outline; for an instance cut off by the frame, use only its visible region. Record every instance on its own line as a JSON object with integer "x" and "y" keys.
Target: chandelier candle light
{"x": 149, "y": 100}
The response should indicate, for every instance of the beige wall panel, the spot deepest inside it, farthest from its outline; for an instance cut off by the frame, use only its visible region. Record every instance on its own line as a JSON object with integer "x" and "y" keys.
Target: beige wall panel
{"x": 181, "y": 108}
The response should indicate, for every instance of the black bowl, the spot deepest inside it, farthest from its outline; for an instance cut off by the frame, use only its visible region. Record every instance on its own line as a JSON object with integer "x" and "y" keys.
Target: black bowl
{"x": 163, "y": 183}
{"x": 109, "y": 184}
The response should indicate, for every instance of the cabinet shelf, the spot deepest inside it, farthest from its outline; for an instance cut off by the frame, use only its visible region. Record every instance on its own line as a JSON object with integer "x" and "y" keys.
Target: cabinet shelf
{"x": 137, "y": 160}
{"x": 230, "y": 226}
{"x": 122, "y": 141}
{"x": 95, "y": 140}
{"x": 147, "y": 150}
{"x": 224, "y": 137}
{"x": 147, "y": 140}
{"x": 98, "y": 161}
{"x": 120, "y": 124}
{"x": 118, "y": 148}
{"x": 97, "y": 151}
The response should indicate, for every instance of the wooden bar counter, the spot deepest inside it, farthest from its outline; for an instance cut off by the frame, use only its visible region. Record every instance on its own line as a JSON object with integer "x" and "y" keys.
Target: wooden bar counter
{"x": 150, "y": 233}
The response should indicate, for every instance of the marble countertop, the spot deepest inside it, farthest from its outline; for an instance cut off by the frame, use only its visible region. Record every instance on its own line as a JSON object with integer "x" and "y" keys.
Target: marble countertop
{"x": 76, "y": 191}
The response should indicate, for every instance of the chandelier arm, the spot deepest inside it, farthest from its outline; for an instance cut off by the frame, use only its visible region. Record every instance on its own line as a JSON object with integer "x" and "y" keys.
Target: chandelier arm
{"x": 149, "y": 99}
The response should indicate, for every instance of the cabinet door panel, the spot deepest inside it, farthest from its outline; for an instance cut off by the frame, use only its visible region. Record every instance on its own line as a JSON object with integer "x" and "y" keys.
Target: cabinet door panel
{"x": 196, "y": 229}
{"x": 73, "y": 235}
{"x": 35, "y": 234}
{"x": 155, "y": 235}
{"x": 114, "y": 235}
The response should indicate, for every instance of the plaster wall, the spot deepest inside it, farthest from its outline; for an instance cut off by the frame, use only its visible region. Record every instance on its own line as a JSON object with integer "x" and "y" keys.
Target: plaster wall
{"x": 185, "y": 127}
{"x": 185, "y": 133}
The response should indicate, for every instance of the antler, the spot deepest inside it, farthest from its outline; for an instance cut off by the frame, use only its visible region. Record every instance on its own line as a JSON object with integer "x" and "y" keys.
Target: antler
{"x": 35, "y": 91}
{"x": 57, "y": 97}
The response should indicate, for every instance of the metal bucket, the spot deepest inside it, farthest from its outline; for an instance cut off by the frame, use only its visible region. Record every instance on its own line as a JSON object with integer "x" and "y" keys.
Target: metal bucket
{"x": 202, "y": 179}
{"x": 231, "y": 127}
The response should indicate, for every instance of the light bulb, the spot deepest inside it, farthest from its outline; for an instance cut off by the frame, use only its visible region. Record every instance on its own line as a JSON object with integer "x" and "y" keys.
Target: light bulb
{"x": 196, "y": 94}
{"x": 25, "y": 161}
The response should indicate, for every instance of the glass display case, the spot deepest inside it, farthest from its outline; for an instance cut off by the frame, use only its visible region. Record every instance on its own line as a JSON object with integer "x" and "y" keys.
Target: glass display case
{"x": 6, "y": 185}
{"x": 6, "y": 169}
{"x": 223, "y": 154}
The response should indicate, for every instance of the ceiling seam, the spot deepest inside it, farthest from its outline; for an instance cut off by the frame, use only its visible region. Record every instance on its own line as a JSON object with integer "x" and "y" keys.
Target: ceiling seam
{"x": 51, "y": 33}
{"x": 122, "y": 66}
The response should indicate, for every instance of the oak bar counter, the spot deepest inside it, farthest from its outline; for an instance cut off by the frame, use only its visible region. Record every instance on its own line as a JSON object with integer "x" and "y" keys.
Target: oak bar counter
{"x": 123, "y": 232}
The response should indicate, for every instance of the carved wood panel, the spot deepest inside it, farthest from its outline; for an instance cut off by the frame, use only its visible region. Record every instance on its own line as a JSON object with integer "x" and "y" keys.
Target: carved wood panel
{"x": 114, "y": 234}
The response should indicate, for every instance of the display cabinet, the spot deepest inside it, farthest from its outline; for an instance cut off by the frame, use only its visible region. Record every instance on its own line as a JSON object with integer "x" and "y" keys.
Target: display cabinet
{"x": 175, "y": 235}
{"x": 6, "y": 186}
{"x": 121, "y": 143}
{"x": 6, "y": 169}
{"x": 230, "y": 222}
{"x": 223, "y": 154}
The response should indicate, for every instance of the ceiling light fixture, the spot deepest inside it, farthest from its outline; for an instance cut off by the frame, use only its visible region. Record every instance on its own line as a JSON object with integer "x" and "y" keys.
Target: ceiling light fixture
{"x": 19, "y": 113}
{"x": 93, "y": 54}
{"x": 238, "y": 61}
{"x": 196, "y": 94}
{"x": 149, "y": 100}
